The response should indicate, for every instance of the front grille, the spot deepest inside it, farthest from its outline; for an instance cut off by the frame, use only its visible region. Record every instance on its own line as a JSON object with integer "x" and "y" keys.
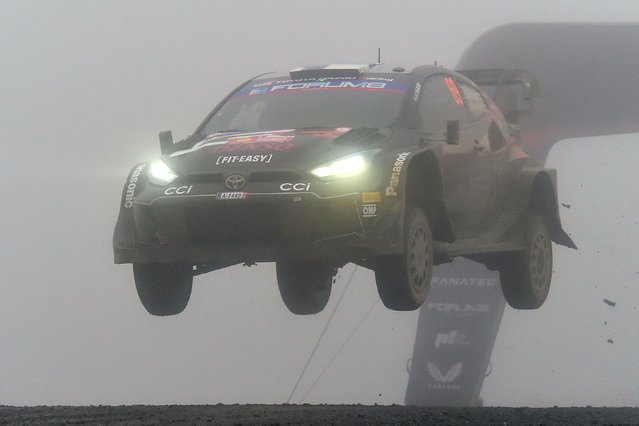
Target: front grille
{"x": 202, "y": 178}
{"x": 260, "y": 222}
{"x": 276, "y": 177}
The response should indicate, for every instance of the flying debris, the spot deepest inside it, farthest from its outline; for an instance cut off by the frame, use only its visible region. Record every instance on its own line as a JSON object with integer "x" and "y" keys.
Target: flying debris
{"x": 609, "y": 302}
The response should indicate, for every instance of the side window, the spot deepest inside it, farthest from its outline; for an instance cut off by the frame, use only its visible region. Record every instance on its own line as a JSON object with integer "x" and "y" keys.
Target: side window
{"x": 496, "y": 138}
{"x": 439, "y": 102}
{"x": 475, "y": 102}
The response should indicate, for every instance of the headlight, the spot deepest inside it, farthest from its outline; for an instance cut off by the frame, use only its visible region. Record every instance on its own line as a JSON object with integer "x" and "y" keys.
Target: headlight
{"x": 160, "y": 173}
{"x": 348, "y": 166}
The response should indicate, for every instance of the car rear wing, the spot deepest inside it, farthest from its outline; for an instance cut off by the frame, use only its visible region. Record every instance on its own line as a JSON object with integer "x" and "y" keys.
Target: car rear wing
{"x": 515, "y": 104}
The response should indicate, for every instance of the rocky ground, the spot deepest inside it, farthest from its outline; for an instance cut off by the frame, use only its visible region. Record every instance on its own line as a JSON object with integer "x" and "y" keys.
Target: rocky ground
{"x": 313, "y": 415}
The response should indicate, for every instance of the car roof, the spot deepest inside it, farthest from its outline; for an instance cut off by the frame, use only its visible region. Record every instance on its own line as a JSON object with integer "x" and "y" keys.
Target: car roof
{"x": 334, "y": 70}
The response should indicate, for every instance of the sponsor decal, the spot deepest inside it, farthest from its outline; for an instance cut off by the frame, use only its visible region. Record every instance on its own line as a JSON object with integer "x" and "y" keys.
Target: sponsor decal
{"x": 235, "y": 182}
{"x": 262, "y": 139}
{"x": 300, "y": 186}
{"x": 130, "y": 188}
{"x": 178, "y": 190}
{"x": 254, "y": 147}
{"x": 332, "y": 133}
{"x": 257, "y": 142}
{"x": 445, "y": 380}
{"x": 272, "y": 82}
{"x": 452, "y": 338}
{"x": 418, "y": 88}
{"x": 269, "y": 138}
{"x": 369, "y": 210}
{"x": 324, "y": 84}
{"x": 454, "y": 91}
{"x": 231, "y": 195}
{"x": 460, "y": 308}
{"x": 371, "y": 197}
{"x": 379, "y": 84}
{"x": 465, "y": 282}
{"x": 391, "y": 189}
{"x": 232, "y": 159}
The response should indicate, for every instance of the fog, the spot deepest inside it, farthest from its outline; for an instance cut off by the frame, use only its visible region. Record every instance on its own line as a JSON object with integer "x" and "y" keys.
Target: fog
{"x": 84, "y": 89}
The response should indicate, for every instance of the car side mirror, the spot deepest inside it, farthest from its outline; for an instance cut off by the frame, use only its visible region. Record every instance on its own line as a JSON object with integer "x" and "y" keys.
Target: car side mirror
{"x": 452, "y": 132}
{"x": 166, "y": 140}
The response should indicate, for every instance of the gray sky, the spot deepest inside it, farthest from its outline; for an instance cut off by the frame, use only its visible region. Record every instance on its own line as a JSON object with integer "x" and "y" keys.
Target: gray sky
{"x": 84, "y": 88}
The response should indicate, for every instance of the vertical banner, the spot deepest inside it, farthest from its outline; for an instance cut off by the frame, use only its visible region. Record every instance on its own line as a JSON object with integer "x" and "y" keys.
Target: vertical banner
{"x": 456, "y": 332}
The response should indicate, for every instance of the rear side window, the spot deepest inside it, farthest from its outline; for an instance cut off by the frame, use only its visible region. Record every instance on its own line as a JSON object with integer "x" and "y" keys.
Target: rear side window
{"x": 474, "y": 100}
{"x": 438, "y": 104}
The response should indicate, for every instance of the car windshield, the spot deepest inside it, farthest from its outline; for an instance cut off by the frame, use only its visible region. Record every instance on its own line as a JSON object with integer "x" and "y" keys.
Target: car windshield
{"x": 277, "y": 103}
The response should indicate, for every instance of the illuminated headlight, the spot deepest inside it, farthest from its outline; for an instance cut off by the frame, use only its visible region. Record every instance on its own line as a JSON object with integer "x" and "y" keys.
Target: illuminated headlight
{"x": 349, "y": 166}
{"x": 160, "y": 173}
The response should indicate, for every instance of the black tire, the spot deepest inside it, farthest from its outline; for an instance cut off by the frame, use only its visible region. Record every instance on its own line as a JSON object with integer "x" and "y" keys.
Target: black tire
{"x": 403, "y": 281}
{"x": 163, "y": 288}
{"x": 305, "y": 287}
{"x": 525, "y": 275}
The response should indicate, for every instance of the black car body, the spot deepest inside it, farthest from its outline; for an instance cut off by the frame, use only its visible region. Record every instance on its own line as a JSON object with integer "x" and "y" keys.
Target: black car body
{"x": 324, "y": 165}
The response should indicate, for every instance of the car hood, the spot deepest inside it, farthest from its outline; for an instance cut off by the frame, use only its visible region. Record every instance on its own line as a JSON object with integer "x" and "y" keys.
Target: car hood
{"x": 290, "y": 149}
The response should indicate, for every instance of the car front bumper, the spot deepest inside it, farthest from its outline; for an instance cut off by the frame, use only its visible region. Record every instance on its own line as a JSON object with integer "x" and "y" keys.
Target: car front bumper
{"x": 257, "y": 227}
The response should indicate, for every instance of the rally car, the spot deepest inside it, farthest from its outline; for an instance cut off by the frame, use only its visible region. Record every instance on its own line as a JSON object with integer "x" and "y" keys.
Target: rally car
{"x": 390, "y": 168}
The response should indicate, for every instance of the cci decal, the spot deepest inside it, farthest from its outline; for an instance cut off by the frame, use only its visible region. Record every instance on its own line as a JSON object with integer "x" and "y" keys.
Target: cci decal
{"x": 297, "y": 187}
{"x": 452, "y": 338}
{"x": 231, "y": 195}
{"x": 369, "y": 210}
{"x": 232, "y": 159}
{"x": 178, "y": 190}
{"x": 371, "y": 197}
{"x": 391, "y": 189}
{"x": 130, "y": 189}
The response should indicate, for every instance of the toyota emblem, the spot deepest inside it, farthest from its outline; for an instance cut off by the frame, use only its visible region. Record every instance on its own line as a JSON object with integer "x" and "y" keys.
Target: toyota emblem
{"x": 235, "y": 182}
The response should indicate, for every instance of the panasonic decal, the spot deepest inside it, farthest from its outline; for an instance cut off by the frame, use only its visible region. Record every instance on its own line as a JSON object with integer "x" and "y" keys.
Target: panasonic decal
{"x": 391, "y": 189}
{"x": 130, "y": 189}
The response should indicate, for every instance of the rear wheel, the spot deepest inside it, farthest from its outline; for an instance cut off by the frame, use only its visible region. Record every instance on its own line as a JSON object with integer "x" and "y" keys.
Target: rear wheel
{"x": 163, "y": 288}
{"x": 305, "y": 287}
{"x": 403, "y": 281}
{"x": 525, "y": 275}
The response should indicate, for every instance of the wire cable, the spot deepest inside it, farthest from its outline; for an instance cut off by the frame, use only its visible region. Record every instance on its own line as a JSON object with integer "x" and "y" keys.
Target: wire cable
{"x": 359, "y": 324}
{"x": 328, "y": 322}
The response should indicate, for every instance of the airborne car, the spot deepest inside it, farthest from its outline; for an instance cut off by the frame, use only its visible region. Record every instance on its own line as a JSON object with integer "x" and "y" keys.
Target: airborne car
{"x": 393, "y": 169}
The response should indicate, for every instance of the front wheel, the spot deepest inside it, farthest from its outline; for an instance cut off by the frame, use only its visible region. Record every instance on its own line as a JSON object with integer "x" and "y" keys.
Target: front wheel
{"x": 163, "y": 288}
{"x": 403, "y": 281}
{"x": 525, "y": 275}
{"x": 305, "y": 287}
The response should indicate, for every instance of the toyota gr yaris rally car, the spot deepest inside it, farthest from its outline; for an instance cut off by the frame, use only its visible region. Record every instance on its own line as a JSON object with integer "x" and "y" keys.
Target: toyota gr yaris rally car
{"x": 392, "y": 169}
